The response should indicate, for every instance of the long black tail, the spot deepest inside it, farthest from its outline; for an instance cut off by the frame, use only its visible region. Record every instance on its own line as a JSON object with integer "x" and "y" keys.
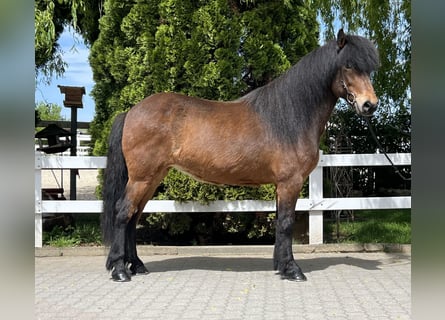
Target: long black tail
{"x": 115, "y": 179}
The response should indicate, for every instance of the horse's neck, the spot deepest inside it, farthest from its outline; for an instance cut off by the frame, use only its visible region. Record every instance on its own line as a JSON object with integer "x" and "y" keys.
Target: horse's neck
{"x": 323, "y": 114}
{"x": 316, "y": 91}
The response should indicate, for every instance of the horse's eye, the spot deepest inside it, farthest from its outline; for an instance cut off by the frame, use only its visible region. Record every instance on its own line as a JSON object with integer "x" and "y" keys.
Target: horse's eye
{"x": 348, "y": 66}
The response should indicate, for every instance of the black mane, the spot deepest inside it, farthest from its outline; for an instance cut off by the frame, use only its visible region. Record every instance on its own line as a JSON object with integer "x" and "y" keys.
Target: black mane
{"x": 290, "y": 103}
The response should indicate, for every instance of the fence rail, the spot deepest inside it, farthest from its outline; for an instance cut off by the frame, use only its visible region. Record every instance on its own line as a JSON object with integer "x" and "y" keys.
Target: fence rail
{"x": 315, "y": 203}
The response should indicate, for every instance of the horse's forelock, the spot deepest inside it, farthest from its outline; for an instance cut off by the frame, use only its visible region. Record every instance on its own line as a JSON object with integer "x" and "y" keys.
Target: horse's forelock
{"x": 361, "y": 53}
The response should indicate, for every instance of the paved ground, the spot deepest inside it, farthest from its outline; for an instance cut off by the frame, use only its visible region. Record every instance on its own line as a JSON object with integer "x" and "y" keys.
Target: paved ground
{"x": 340, "y": 286}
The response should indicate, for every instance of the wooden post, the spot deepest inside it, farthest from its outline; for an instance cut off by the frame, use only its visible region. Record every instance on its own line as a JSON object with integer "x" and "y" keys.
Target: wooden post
{"x": 73, "y": 100}
{"x": 38, "y": 199}
{"x": 316, "y": 196}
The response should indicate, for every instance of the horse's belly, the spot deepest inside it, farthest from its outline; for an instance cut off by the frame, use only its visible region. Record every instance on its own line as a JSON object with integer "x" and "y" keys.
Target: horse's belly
{"x": 223, "y": 178}
{"x": 238, "y": 170}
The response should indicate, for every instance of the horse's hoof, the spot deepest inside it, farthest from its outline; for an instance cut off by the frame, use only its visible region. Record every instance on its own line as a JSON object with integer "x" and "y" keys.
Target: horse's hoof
{"x": 120, "y": 276}
{"x": 139, "y": 269}
{"x": 294, "y": 276}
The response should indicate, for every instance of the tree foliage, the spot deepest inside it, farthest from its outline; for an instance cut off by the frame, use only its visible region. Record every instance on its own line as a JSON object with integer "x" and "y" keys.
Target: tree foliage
{"x": 215, "y": 49}
{"x": 51, "y": 17}
{"x": 48, "y": 111}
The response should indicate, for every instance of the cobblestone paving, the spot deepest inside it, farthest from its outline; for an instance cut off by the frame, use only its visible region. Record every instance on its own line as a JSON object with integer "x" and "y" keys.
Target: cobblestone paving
{"x": 340, "y": 286}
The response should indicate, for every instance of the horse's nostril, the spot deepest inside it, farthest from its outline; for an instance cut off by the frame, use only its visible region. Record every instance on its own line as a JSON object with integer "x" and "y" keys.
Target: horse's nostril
{"x": 369, "y": 107}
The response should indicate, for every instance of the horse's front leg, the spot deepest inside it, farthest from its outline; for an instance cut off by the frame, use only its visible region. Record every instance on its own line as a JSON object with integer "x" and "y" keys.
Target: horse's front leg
{"x": 284, "y": 260}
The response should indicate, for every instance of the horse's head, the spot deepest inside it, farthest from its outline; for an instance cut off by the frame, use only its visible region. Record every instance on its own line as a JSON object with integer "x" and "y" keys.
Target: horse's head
{"x": 352, "y": 81}
{"x": 356, "y": 88}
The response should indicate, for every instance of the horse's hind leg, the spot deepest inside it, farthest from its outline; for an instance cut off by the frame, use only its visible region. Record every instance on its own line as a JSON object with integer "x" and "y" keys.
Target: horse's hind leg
{"x": 116, "y": 256}
{"x": 131, "y": 257}
{"x": 123, "y": 246}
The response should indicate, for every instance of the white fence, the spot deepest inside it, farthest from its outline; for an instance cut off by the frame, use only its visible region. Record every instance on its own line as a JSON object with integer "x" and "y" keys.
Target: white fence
{"x": 315, "y": 203}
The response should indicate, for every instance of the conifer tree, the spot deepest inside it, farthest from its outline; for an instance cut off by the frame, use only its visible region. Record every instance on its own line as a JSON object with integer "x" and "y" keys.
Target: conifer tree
{"x": 214, "y": 49}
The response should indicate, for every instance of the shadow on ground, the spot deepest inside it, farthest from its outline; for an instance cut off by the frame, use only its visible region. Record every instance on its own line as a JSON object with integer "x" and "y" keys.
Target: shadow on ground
{"x": 242, "y": 264}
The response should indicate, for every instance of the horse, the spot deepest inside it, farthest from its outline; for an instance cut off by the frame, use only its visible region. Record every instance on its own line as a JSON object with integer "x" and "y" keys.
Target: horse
{"x": 271, "y": 135}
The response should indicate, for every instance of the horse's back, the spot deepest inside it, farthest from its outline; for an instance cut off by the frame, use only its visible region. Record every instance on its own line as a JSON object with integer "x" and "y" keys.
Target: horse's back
{"x": 193, "y": 118}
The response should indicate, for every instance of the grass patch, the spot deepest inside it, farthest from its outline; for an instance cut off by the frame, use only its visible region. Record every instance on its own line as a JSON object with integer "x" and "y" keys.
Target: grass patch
{"x": 373, "y": 226}
{"x": 85, "y": 232}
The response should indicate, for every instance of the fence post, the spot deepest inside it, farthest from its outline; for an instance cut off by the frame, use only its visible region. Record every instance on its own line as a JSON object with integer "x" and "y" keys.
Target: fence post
{"x": 315, "y": 197}
{"x": 38, "y": 199}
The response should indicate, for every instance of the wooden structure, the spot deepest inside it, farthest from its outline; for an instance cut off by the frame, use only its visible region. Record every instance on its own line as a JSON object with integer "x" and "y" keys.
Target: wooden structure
{"x": 73, "y": 100}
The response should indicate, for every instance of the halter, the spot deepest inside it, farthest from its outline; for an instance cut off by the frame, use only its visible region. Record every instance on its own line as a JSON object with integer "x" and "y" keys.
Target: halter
{"x": 350, "y": 96}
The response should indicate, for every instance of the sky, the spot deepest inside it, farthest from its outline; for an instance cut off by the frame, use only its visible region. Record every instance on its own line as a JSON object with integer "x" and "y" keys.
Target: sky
{"x": 77, "y": 74}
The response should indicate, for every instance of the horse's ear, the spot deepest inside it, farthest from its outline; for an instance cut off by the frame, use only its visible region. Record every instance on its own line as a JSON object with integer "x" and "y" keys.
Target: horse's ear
{"x": 341, "y": 39}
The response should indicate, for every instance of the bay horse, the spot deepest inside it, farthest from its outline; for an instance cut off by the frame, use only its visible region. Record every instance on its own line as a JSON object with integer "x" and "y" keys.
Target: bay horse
{"x": 270, "y": 135}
